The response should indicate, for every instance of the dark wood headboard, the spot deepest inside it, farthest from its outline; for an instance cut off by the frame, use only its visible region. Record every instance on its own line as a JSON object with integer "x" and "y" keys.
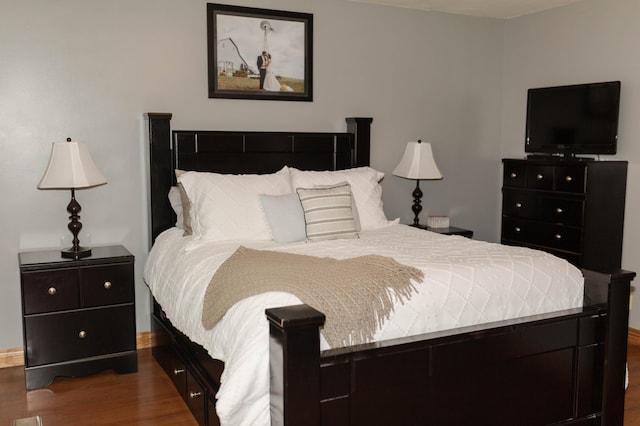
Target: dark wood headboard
{"x": 243, "y": 152}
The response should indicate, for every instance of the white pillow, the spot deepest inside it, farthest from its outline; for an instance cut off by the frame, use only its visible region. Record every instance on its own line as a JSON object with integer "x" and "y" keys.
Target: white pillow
{"x": 285, "y": 216}
{"x": 176, "y": 205}
{"x": 227, "y": 207}
{"x": 327, "y": 212}
{"x": 365, "y": 187}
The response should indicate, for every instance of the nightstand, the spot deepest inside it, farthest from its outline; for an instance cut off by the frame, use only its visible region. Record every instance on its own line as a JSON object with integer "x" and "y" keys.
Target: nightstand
{"x": 451, "y": 230}
{"x": 78, "y": 315}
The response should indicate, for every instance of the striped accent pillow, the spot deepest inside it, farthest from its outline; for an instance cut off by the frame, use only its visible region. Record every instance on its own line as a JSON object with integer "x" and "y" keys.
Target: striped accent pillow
{"x": 327, "y": 212}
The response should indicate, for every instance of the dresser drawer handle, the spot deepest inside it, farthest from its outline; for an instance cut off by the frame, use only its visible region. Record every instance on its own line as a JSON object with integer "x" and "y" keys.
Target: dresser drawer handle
{"x": 517, "y": 229}
{"x": 518, "y": 205}
{"x": 178, "y": 371}
{"x": 559, "y": 210}
{"x": 82, "y": 334}
{"x": 194, "y": 395}
{"x": 513, "y": 175}
{"x": 558, "y": 237}
{"x": 107, "y": 285}
{"x": 52, "y": 291}
{"x": 539, "y": 176}
{"x": 568, "y": 178}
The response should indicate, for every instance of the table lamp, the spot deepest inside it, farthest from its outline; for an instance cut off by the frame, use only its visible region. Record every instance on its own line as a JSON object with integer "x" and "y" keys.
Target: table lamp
{"x": 71, "y": 167}
{"x": 417, "y": 163}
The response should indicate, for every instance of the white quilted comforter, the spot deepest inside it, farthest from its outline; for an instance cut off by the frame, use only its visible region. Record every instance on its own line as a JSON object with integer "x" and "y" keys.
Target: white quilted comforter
{"x": 466, "y": 282}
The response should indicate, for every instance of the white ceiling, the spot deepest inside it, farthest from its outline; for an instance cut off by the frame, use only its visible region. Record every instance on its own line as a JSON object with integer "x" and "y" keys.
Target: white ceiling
{"x": 503, "y": 9}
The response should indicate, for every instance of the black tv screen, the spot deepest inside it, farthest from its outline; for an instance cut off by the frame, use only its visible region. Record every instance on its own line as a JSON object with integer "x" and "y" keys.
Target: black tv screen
{"x": 576, "y": 119}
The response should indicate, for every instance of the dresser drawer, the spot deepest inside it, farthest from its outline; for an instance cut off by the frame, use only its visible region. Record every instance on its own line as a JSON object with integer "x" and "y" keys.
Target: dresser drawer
{"x": 106, "y": 285}
{"x": 560, "y": 237}
{"x": 80, "y": 334}
{"x": 562, "y": 210}
{"x": 515, "y": 175}
{"x": 540, "y": 177}
{"x": 520, "y": 204}
{"x": 570, "y": 178}
{"x": 543, "y": 207}
{"x": 553, "y": 236}
{"x": 50, "y": 290}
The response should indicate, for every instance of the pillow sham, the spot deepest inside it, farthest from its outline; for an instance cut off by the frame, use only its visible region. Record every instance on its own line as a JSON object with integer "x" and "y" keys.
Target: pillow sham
{"x": 285, "y": 217}
{"x": 186, "y": 205}
{"x": 176, "y": 205}
{"x": 327, "y": 212}
{"x": 227, "y": 207}
{"x": 365, "y": 186}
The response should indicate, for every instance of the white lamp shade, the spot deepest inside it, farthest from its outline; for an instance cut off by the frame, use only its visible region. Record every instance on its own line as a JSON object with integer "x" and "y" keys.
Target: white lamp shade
{"x": 417, "y": 162}
{"x": 71, "y": 167}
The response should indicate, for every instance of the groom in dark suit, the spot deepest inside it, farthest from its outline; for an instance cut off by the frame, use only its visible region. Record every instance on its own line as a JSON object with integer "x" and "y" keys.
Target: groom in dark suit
{"x": 262, "y": 66}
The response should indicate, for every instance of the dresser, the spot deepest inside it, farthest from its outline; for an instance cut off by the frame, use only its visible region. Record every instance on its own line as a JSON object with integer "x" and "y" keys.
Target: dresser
{"x": 572, "y": 209}
{"x": 78, "y": 315}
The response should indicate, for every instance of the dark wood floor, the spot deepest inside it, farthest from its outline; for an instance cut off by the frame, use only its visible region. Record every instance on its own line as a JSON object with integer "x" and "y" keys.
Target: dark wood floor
{"x": 148, "y": 397}
{"x": 143, "y": 398}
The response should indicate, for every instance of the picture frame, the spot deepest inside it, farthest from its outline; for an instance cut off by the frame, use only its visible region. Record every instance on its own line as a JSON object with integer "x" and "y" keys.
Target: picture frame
{"x": 259, "y": 54}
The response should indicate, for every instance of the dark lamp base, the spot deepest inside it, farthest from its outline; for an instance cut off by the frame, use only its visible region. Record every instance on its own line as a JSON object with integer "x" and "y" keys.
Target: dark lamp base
{"x": 76, "y": 252}
{"x": 418, "y": 225}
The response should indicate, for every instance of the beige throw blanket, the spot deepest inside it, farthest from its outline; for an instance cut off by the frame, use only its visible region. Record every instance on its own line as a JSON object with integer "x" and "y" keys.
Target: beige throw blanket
{"x": 356, "y": 294}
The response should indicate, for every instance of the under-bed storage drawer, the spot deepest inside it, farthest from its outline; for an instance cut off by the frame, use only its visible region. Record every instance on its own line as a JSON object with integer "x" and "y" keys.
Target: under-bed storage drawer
{"x": 196, "y": 398}
{"x": 169, "y": 348}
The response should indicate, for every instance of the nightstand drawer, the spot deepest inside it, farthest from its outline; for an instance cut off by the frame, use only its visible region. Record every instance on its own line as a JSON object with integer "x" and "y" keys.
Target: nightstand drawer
{"x": 106, "y": 285}
{"x": 48, "y": 291}
{"x": 81, "y": 334}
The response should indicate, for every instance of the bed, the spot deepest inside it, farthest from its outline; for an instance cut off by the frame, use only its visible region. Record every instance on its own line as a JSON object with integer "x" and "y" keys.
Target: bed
{"x": 562, "y": 366}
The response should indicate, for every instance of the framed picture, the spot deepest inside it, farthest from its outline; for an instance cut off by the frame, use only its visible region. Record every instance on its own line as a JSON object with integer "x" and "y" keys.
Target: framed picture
{"x": 259, "y": 53}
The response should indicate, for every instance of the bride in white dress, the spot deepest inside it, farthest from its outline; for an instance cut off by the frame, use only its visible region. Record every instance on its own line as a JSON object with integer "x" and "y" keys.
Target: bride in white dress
{"x": 271, "y": 83}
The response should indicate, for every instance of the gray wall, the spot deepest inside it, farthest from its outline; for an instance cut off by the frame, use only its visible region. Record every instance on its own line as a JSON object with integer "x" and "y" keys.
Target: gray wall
{"x": 89, "y": 69}
{"x": 592, "y": 40}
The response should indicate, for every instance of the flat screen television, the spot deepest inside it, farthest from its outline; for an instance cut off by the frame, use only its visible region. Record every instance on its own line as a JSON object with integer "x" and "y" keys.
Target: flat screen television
{"x": 575, "y": 119}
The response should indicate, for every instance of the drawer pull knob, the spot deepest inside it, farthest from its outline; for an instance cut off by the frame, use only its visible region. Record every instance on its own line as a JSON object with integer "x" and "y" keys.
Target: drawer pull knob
{"x": 82, "y": 334}
{"x": 517, "y": 229}
{"x": 107, "y": 285}
{"x": 518, "y": 205}
{"x": 178, "y": 371}
{"x": 513, "y": 175}
{"x": 52, "y": 291}
{"x": 558, "y": 237}
{"x": 194, "y": 395}
{"x": 559, "y": 210}
{"x": 539, "y": 176}
{"x": 568, "y": 178}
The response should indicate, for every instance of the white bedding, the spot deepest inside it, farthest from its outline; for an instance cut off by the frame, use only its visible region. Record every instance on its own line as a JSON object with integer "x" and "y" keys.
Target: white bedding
{"x": 466, "y": 282}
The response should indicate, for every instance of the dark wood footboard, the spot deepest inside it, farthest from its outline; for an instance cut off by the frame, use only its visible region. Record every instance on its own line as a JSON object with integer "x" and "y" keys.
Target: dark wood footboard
{"x": 562, "y": 368}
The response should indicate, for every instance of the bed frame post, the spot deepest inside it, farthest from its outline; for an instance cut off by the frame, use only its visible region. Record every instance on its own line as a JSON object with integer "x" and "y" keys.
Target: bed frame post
{"x": 615, "y": 356}
{"x": 360, "y": 128}
{"x": 294, "y": 365}
{"x": 161, "y": 175}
